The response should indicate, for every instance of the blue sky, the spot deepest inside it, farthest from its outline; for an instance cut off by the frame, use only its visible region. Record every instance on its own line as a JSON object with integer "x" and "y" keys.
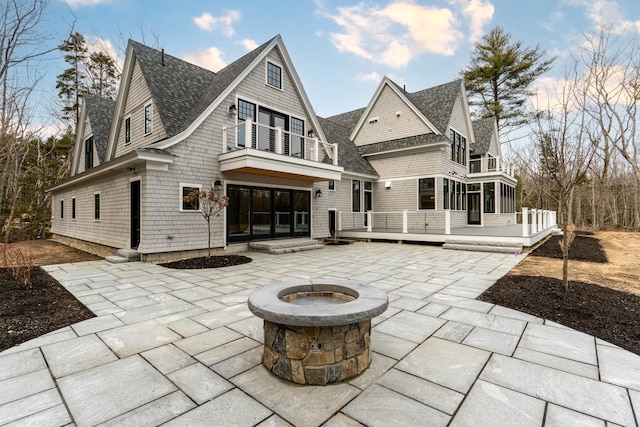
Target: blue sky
{"x": 341, "y": 49}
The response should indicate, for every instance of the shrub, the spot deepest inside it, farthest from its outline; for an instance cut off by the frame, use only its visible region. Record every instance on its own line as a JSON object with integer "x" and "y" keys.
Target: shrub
{"x": 18, "y": 263}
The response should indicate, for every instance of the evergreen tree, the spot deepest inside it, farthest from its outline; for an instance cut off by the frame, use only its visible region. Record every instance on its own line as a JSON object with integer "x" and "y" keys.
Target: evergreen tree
{"x": 102, "y": 75}
{"x": 70, "y": 83}
{"x": 500, "y": 75}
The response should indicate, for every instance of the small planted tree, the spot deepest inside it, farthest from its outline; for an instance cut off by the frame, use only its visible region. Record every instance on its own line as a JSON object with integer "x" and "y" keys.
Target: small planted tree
{"x": 210, "y": 204}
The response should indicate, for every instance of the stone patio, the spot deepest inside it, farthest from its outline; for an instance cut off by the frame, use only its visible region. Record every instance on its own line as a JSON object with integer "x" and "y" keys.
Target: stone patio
{"x": 182, "y": 348}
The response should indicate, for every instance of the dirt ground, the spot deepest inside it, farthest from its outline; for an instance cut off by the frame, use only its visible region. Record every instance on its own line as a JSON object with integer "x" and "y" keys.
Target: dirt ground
{"x": 48, "y": 252}
{"x": 621, "y": 272}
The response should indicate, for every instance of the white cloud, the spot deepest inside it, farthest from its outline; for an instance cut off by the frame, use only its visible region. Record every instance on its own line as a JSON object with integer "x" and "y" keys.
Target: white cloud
{"x": 479, "y": 13}
{"x": 606, "y": 14}
{"x": 97, "y": 44}
{"x": 223, "y": 23}
{"x": 394, "y": 34}
{"x": 78, "y": 3}
{"x": 211, "y": 59}
{"x": 369, "y": 77}
{"x": 249, "y": 44}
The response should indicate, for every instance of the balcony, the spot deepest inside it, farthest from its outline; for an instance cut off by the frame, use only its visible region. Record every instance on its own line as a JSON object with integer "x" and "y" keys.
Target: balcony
{"x": 258, "y": 149}
{"x": 490, "y": 166}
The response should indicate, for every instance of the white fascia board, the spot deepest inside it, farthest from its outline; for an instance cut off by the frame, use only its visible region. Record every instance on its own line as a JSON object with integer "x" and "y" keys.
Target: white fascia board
{"x": 78, "y": 142}
{"x": 125, "y": 84}
{"x": 418, "y": 148}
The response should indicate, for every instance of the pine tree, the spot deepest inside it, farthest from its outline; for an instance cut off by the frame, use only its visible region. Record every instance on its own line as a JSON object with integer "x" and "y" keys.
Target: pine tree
{"x": 500, "y": 75}
{"x": 70, "y": 83}
{"x": 103, "y": 75}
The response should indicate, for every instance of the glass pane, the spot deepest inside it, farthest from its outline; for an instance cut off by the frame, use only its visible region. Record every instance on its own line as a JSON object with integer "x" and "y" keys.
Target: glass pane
{"x": 238, "y": 211}
{"x": 261, "y": 212}
{"x": 264, "y": 133}
{"x": 474, "y": 208}
{"x": 282, "y": 204}
{"x": 301, "y": 213}
{"x": 427, "y": 193}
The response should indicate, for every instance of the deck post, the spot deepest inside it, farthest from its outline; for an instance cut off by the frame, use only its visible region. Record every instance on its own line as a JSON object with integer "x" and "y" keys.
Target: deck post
{"x": 545, "y": 219}
{"x": 554, "y": 221}
{"x": 224, "y": 139}
{"x": 335, "y": 154}
{"x": 539, "y": 220}
{"x": 525, "y": 222}
{"x": 534, "y": 221}
{"x": 316, "y": 149}
{"x": 279, "y": 144}
{"x": 447, "y": 222}
{"x": 369, "y": 215}
{"x": 405, "y": 221}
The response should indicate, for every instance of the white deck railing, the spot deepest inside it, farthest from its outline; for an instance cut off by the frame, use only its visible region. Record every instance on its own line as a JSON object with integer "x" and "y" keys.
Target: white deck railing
{"x": 275, "y": 140}
{"x": 491, "y": 164}
{"x": 533, "y": 221}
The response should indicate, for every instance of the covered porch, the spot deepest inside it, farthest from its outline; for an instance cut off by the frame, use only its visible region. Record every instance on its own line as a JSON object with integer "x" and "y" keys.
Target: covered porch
{"x": 524, "y": 230}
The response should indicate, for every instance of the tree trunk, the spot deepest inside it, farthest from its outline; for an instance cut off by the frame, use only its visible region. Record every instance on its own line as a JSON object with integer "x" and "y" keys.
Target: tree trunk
{"x": 209, "y": 240}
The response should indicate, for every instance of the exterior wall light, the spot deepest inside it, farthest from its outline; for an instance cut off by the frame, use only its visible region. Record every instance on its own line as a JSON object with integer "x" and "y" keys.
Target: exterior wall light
{"x": 217, "y": 185}
{"x": 310, "y": 133}
{"x": 318, "y": 193}
{"x": 233, "y": 110}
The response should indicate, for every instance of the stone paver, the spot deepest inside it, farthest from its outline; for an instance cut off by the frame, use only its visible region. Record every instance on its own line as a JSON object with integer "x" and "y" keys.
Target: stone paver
{"x": 181, "y": 348}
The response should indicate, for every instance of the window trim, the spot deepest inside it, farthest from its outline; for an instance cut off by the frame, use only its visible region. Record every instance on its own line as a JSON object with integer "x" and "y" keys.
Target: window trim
{"x": 73, "y": 208}
{"x": 184, "y": 185}
{"x": 148, "y": 131}
{"x": 127, "y": 130}
{"x": 331, "y": 185}
{"x": 485, "y": 195}
{"x": 459, "y": 147}
{"x": 266, "y": 74}
{"x": 359, "y": 181}
{"x": 97, "y": 206}
{"x": 88, "y": 153}
{"x": 435, "y": 194}
{"x": 61, "y": 208}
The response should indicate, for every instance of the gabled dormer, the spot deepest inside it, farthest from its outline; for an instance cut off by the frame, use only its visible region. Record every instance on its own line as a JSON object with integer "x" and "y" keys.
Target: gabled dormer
{"x": 486, "y": 155}
{"x": 92, "y": 133}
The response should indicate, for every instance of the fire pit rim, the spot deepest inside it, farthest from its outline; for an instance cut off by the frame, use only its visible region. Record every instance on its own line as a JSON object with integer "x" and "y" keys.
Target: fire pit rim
{"x": 266, "y": 303}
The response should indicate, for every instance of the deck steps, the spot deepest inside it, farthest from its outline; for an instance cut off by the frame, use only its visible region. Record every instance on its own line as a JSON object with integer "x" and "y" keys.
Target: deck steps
{"x": 285, "y": 246}
{"x": 123, "y": 255}
{"x": 483, "y": 246}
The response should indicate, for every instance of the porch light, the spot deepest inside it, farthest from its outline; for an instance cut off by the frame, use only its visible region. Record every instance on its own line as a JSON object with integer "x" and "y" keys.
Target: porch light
{"x": 233, "y": 110}
{"x": 318, "y": 193}
{"x": 310, "y": 133}
{"x": 217, "y": 185}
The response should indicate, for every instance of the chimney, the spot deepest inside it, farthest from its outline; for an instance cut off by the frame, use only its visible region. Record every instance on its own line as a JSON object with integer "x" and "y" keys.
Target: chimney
{"x": 404, "y": 88}
{"x": 162, "y": 60}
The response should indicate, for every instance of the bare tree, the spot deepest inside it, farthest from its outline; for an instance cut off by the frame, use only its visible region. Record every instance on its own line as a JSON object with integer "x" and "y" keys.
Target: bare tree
{"x": 210, "y": 205}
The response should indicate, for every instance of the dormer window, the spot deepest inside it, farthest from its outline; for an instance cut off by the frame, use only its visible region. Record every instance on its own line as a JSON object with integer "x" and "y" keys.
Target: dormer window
{"x": 88, "y": 153}
{"x": 147, "y": 119}
{"x": 127, "y": 130}
{"x": 274, "y": 75}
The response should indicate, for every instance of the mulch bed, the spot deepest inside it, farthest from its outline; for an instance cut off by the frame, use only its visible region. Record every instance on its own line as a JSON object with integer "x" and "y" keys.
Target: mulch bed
{"x": 43, "y": 308}
{"x": 214, "y": 261}
{"x": 583, "y": 248}
{"x": 608, "y": 314}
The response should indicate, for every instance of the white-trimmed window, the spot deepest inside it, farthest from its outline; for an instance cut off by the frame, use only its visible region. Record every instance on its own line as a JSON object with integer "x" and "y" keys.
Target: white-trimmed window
{"x": 73, "y": 208}
{"x": 96, "y": 206}
{"x": 148, "y": 119}
{"x": 62, "y": 209}
{"x": 426, "y": 193}
{"x": 185, "y": 190}
{"x": 127, "y": 129}
{"x": 332, "y": 185}
{"x": 88, "y": 153}
{"x": 274, "y": 75}
{"x": 458, "y": 147}
{"x": 355, "y": 196}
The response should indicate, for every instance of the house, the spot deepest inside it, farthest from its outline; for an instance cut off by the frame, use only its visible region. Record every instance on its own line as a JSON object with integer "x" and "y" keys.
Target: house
{"x": 250, "y": 130}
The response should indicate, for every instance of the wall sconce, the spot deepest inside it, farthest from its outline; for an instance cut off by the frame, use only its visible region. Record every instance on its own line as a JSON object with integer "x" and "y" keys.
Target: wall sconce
{"x": 131, "y": 169}
{"x": 217, "y": 185}
{"x": 387, "y": 185}
{"x": 318, "y": 193}
{"x": 233, "y": 110}
{"x": 310, "y": 133}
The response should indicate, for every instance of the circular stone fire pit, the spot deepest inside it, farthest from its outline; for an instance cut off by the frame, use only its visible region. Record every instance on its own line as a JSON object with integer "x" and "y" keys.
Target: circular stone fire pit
{"x": 317, "y": 331}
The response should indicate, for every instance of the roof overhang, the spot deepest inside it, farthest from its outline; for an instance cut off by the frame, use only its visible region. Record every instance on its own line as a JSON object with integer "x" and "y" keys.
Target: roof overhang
{"x": 493, "y": 175}
{"x": 265, "y": 163}
{"x": 403, "y": 151}
{"x": 151, "y": 160}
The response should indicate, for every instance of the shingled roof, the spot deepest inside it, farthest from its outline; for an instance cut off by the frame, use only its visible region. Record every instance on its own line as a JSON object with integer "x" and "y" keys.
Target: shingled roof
{"x": 337, "y": 129}
{"x": 182, "y": 91}
{"x": 100, "y": 115}
{"x": 436, "y": 103}
{"x": 483, "y": 131}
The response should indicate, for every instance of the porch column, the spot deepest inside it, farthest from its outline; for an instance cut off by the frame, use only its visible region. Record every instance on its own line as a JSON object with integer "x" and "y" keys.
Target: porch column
{"x": 279, "y": 144}
{"x": 534, "y": 217}
{"x": 339, "y": 221}
{"x": 405, "y": 221}
{"x": 248, "y": 130}
{"x": 539, "y": 219}
{"x": 525, "y": 222}
{"x": 554, "y": 220}
{"x": 335, "y": 154}
{"x": 498, "y": 165}
{"x": 447, "y": 222}
{"x": 369, "y": 215}
{"x": 316, "y": 149}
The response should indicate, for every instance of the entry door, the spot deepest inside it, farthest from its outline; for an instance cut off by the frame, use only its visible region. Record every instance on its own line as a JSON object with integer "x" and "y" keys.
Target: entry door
{"x": 267, "y": 137}
{"x": 135, "y": 214}
{"x": 473, "y": 209}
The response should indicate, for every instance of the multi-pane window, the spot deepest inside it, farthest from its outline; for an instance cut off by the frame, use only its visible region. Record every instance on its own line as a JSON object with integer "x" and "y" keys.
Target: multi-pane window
{"x": 458, "y": 147}
{"x": 127, "y": 130}
{"x": 190, "y": 203}
{"x": 507, "y": 198}
{"x": 73, "y": 208}
{"x": 489, "y": 189}
{"x": 147, "y": 119}
{"x": 246, "y": 110}
{"x": 454, "y": 194}
{"x": 274, "y": 75}
{"x": 427, "y": 193}
{"x": 355, "y": 198}
{"x": 96, "y": 206}
{"x": 296, "y": 141}
{"x": 88, "y": 154}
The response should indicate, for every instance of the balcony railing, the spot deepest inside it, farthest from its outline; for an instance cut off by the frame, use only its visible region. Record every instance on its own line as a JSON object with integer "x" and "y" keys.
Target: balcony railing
{"x": 250, "y": 134}
{"x": 490, "y": 164}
